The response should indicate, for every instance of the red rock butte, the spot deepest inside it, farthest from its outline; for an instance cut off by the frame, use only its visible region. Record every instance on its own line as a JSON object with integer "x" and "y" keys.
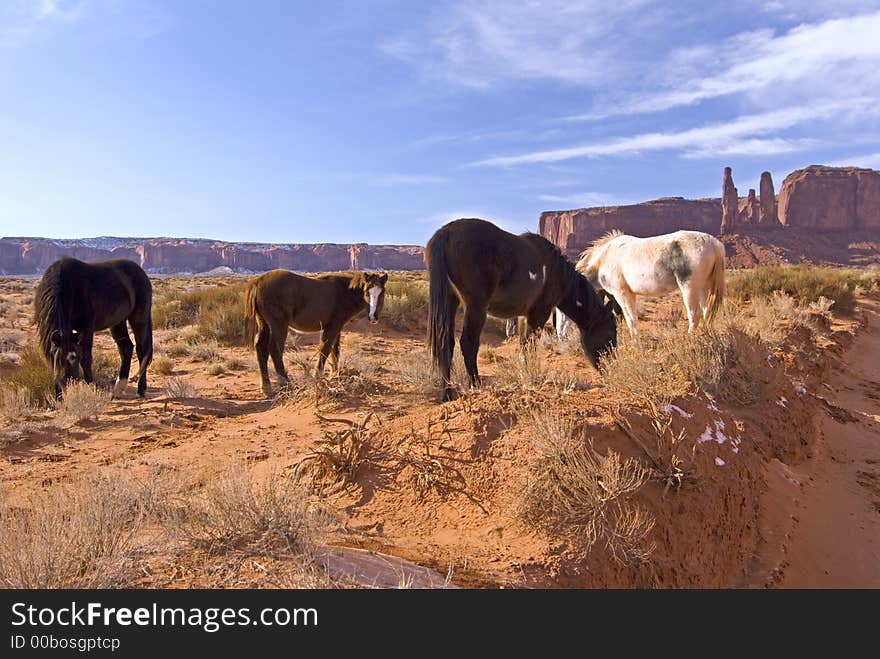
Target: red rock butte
{"x": 823, "y": 215}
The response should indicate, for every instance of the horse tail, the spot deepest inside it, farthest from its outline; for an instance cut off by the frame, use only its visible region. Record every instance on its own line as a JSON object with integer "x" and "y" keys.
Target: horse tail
{"x": 440, "y": 338}
{"x": 253, "y": 320}
{"x": 716, "y": 285}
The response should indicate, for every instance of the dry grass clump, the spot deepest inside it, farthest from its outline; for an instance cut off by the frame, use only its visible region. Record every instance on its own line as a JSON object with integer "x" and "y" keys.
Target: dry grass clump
{"x": 76, "y": 536}
{"x": 218, "y": 312}
{"x": 406, "y": 303}
{"x": 15, "y": 402}
{"x": 204, "y": 353}
{"x": 574, "y": 490}
{"x": 339, "y": 456}
{"x": 653, "y": 371}
{"x": 416, "y": 370}
{"x": 178, "y": 349}
{"x": 180, "y": 388}
{"x": 33, "y": 376}
{"x": 672, "y": 454}
{"x": 418, "y": 455}
{"x": 216, "y": 369}
{"x": 162, "y": 365}
{"x": 526, "y": 371}
{"x": 237, "y": 513}
{"x": 804, "y": 283}
{"x": 81, "y": 401}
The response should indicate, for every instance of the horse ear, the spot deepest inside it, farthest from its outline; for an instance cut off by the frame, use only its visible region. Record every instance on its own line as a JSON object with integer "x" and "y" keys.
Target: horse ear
{"x": 55, "y": 338}
{"x": 384, "y": 277}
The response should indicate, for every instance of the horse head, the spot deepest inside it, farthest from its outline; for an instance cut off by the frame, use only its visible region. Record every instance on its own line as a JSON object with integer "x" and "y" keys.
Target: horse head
{"x": 65, "y": 353}
{"x": 596, "y": 321}
{"x": 373, "y": 289}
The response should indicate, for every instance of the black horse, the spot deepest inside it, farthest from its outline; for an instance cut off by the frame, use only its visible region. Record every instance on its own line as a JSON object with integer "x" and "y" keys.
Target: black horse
{"x": 473, "y": 262}
{"x": 74, "y": 300}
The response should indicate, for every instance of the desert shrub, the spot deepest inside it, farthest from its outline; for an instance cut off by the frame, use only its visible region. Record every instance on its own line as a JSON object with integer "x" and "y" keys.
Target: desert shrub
{"x": 235, "y": 512}
{"x": 218, "y": 312}
{"x": 204, "y": 353}
{"x": 162, "y": 366}
{"x": 804, "y": 283}
{"x": 406, "y": 303}
{"x": 81, "y": 401}
{"x": 33, "y": 376}
{"x": 584, "y": 495}
{"x": 15, "y": 402}
{"x": 75, "y": 536}
{"x": 339, "y": 456}
{"x": 653, "y": 371}
{"x": 216, "y": 369}
{"x": 105, "y": 366}
{"x": 235, "y": 364}
{"x": 415, "y": 369}
{"x": 180, "y": 388}
{"x": 178, "y": 349}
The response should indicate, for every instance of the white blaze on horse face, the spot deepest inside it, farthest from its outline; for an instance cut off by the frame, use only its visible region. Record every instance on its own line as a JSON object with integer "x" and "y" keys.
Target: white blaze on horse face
{"x": 533, "y": 275}
{"x": 374, "y": 293}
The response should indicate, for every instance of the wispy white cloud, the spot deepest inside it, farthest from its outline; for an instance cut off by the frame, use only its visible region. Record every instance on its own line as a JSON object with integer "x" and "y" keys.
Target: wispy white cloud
{"x": 25, "y": 21}
{"x": 737, "y": 135}
{"x": 819, "y": 59}
{"x": 870, "y": 160}
{"x": 583, "y": 199}
{"x": 477, "y": 44}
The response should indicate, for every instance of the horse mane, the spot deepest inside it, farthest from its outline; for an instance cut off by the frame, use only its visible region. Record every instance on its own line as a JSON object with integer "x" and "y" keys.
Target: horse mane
{"x": 48, "y": 314}
{"x": 570, "y": 276}
{"x": 349, "y": 278}
{"x": 600, "y": 242}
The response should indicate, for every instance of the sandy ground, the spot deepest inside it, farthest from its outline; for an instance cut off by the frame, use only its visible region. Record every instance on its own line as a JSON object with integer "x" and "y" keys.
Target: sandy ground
{"x": 787, "y": 495}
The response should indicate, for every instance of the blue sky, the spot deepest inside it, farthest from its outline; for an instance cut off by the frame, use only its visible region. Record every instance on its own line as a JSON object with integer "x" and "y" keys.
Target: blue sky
{"x": 378, "y": 121}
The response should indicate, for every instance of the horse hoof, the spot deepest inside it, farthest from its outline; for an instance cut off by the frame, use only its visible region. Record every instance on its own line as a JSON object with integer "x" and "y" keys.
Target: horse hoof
{"x": 120, "y": 387}
{"x": 450, "y": 395}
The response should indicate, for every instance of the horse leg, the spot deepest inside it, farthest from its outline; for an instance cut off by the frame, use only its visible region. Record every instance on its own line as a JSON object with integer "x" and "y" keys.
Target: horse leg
{"x": 510, "y": 327}
{"x": 449, "y": 392}
{"x": 126, "y": 349}
{"x": 561, "y": 323}
{"x": 694, "y": 309}
{"x": 86, "y": 341}
{"x": 261, "y": 344}
{"x": 474, "y": 319}
{"x": 627, "y": 301}
{"x": 276, "y": 350}
{"x": 329, "y": 335}
{"x": 334, "y": 354}
{"x": 143, "y": 338}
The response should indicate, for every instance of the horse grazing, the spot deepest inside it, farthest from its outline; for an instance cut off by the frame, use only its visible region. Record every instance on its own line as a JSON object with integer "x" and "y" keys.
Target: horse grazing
{"x": 625, "y": 266}
{"x": 280, "y": 299}
{"x": 74, "y": 300}
{"x": 473, "y": 262}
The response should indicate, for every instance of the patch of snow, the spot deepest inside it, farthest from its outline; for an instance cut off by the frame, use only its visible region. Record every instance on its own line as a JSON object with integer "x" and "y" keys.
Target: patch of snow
{"x": 719, "y": 462}
{"x": 781, "y": 402}
{"x": 669, "y": 409}
{"x": 706, "y": 436}
{"x": 719, "y": 432}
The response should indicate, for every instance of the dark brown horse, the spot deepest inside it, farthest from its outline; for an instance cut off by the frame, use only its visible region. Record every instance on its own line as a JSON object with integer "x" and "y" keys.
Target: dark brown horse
{"x": 280, "y": 299}
{"x": 473, "y": 262}
{"x": 74, "y": 300}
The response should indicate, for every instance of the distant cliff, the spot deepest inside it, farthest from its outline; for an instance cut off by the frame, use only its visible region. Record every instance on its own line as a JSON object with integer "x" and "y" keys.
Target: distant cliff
{"x": 822, "y": 215}
{"x": 573, "y": 230}
{"x": 20, "y": 256}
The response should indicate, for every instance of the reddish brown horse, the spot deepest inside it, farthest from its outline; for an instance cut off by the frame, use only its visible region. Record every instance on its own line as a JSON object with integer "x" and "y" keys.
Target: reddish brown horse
{"x": 279, "y": 299}
{"x": 74, "y": 300}
{"x": 473, "y": 262}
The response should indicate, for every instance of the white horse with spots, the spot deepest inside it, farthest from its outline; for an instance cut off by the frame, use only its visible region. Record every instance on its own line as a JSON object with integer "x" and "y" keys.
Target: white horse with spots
{"x": 625, "y": 266}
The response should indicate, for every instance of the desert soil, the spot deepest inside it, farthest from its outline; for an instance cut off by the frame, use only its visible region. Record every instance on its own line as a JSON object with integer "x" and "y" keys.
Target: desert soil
{"x": 786, "y": 491}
